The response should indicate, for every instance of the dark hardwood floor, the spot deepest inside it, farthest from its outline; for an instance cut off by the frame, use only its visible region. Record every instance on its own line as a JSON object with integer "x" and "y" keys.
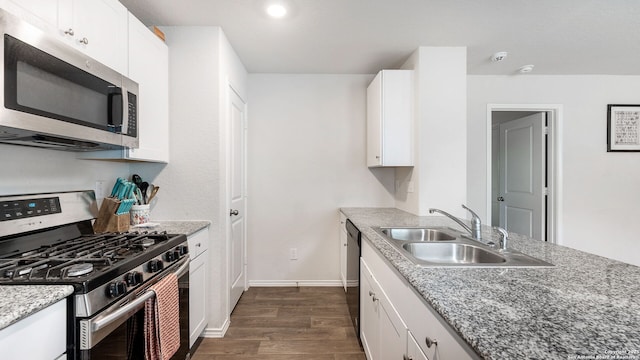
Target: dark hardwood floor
{"x": 287, "y": 323}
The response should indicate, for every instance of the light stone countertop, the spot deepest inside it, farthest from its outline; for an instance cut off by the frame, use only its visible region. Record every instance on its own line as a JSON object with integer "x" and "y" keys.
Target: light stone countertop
{"x": 586, "y": 305}
{"x": 19, "y": 301}
{"x": 175, "y": 227}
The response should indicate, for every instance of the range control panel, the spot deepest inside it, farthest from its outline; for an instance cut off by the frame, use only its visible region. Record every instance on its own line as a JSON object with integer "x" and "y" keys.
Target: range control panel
{"x": 19, "y": 209}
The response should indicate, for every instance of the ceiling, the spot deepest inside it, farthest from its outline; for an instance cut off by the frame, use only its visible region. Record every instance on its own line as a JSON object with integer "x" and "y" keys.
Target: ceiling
{"x": 364, "y": 36}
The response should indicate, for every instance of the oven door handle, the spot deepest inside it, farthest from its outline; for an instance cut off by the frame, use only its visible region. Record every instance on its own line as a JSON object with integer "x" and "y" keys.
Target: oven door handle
{"x": 135, "y": 305}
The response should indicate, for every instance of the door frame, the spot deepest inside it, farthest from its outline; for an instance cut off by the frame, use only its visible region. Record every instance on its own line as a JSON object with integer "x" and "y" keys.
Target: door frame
{"x": 554, "y": 162}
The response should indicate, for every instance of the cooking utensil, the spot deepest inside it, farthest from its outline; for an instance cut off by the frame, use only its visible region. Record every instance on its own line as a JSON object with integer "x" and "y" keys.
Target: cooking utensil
{"x": 143, "y": 189}
{"x": 154, "y": 191}
{"x": 136, "y": 179}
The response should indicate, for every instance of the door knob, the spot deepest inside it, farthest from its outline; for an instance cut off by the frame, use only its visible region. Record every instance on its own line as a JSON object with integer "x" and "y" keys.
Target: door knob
{"x": 500, "y": 198}
{"x": 233, "y": 212}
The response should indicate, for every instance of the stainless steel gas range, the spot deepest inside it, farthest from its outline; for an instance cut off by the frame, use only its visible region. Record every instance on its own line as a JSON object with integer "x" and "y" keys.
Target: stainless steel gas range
{"x": 48, "y": 239}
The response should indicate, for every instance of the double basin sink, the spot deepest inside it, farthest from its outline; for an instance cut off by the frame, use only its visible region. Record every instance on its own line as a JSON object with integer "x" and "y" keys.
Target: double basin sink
{"x": 442, "y": 246}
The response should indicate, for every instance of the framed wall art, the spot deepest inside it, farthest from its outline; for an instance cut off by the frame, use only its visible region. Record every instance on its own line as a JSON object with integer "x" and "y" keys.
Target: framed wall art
{"x": 623, "y": 128}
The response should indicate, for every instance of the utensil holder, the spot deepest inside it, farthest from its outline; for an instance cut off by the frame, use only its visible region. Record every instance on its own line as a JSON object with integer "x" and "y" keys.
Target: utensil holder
{"x": 108, "y": 221}
{"x": 139, "y": 214}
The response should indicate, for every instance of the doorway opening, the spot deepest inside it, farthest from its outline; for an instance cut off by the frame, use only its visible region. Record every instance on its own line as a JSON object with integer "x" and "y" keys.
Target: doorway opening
{"x": 523, "y": 175}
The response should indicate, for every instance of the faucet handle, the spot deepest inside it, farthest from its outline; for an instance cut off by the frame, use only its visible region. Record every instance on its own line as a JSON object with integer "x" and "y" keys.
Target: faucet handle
{"x": 473, "y": 214}
{"x": 504, "y": 236}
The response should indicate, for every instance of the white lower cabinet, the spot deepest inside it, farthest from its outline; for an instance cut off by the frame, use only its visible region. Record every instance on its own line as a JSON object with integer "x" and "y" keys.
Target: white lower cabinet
{"x": 396, "y": 322}
{"x": 198, "y": 317}
{"x": 42, "y": 335}
{"x": 343, "y": 250}
{"x": 413, "y": 349}
{"x": 383, "y": 333}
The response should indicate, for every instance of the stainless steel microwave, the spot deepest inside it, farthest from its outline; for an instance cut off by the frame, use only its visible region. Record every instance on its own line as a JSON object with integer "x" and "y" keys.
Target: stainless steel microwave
{"x": 54, "y": 96}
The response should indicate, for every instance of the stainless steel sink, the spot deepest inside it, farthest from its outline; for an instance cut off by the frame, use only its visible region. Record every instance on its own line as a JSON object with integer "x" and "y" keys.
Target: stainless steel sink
{"x": 445, "y": 247}
{"x": 419, "y": 234}
{"x": 452, "y": 253}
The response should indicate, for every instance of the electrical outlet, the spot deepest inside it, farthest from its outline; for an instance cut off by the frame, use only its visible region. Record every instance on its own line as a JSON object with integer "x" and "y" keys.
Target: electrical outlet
{"x": 410, "y": 186}
{"x": 293, "y": 254}
{"x": 99, "y": 189}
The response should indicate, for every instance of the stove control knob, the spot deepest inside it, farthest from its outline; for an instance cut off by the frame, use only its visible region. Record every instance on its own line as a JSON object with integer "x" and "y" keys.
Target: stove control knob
{"x": 171, "y": 256}
{"x": 154, "y": 265}
{"x": 133, "y": 278}
{"x": 182, "y": 249}
{"x": 116, "y": 289}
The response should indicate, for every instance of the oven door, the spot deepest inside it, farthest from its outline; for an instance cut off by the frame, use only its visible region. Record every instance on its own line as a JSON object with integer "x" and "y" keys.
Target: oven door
{"x": 118, "y": 332}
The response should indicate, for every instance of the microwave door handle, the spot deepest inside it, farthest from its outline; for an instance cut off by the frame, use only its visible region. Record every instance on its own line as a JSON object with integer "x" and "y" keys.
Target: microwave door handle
{"x": 125, "y": 111}
{"x": 114, "y": 122}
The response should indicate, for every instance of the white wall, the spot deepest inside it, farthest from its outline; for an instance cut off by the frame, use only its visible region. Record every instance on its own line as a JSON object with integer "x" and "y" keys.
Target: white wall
{"x": 306, "y": 158}
{"x": 439, "y": 173}
{"x": 27, "y": 170}
{"x": 193, "y": 184}
{"x": 601, "y": 199}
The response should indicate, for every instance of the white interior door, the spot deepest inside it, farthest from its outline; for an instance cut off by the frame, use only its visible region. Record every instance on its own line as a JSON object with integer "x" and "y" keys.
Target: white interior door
{"x": 237, "y": 198}
{"x": 522, "y": 164}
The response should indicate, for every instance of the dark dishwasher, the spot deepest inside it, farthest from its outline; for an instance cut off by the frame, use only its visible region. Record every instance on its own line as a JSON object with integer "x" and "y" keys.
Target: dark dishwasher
{"x": 353, "y": 275}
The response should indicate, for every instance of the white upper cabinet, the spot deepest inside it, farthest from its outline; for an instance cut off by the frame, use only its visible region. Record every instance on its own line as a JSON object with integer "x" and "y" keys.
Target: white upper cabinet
{"x": 98, "y": 28}
{"x": 42, "y": 13}
{"x": 390, "y": 119}
{"x": 149, "y": 67}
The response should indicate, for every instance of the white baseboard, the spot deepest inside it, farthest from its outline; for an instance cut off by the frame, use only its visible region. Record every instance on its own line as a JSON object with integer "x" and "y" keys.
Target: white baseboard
{"x": 216, "y": 332}
{"x": 294, "y": 283}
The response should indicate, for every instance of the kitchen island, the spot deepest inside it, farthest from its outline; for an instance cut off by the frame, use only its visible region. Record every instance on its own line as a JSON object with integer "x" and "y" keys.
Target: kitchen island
{"x": 585, "y": 305}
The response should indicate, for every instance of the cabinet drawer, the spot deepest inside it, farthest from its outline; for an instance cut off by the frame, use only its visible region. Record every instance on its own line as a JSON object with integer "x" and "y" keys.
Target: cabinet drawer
{"x": 198, "y": 243}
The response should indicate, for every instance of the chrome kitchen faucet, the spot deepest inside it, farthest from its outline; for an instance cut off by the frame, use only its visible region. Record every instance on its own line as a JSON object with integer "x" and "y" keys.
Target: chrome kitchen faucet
{"x": 476, "y": 225}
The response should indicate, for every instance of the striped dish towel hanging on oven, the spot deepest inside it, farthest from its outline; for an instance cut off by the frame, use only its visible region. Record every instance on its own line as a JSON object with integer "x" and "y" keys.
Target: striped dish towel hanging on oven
{"x": 162, "y": 320}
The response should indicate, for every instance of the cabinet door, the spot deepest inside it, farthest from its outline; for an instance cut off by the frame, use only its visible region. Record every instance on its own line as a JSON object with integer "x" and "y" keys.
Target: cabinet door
{"x": 99, "y": 29}
{"x": 392, "y": 331}
{"x": 45, "y": 10}
{"x": 343, "y": 250}
{"x": 390, "y": 119}
{"x": 369, "y": 326}
{"x": 149, "y": 67}
{"x": 382, "y": 329}
{"x": 374, "y": 122}
{"x": 42, "y": 335}
{"x": 413, "y": 349}
{"x": 197, "y": 297}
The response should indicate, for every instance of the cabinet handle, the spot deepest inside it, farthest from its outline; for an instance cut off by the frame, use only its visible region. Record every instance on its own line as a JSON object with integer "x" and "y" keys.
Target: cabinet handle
{"x": 405, "y": 357}
{"x": 344, "y": 244}
{"x": 69, "y": 32}
{"x": 233, "y": 212}
{"x": 84, "y": 41}
{"x": 431, "y": 342}
{"x": 377, "y": 157}
{"x": 198, "y": 245}
{"x": 371, "y": 293}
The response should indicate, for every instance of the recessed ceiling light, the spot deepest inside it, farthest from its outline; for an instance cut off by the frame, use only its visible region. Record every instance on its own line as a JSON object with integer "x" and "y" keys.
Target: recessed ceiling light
{"x": 276, "y": 10}
{"x": 526, "y": 69}
{"x": 499, "y": 56}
